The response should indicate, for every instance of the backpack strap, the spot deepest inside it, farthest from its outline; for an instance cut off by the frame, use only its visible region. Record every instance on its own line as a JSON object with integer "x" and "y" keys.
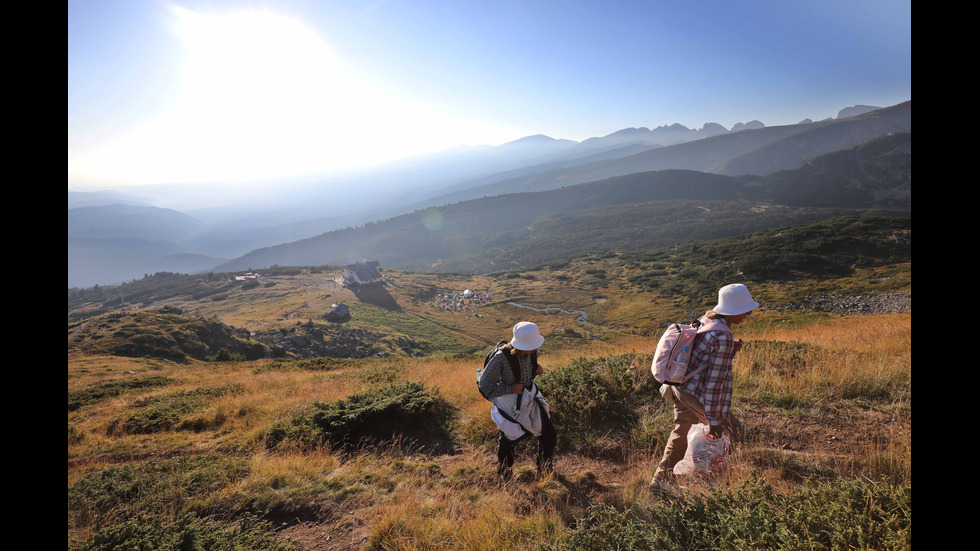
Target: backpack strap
{"x": 704, "y": 325}
{"x": 515, "y": 365}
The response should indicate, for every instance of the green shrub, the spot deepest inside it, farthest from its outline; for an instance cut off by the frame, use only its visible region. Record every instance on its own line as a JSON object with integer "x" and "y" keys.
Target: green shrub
{"x": 162, "y": 413}
{"x": 153, "y": 488}
{"x": 188, "y": 533}
{"x": 848, "y": 515}
{"x": 311, "y": 364}
{"x": 407, "y": 411}
{"x": 146, "y": 421}
{"x": 224, "y": 355}
{"x": 106, "y": 390}
{"x": 597, "y": 405}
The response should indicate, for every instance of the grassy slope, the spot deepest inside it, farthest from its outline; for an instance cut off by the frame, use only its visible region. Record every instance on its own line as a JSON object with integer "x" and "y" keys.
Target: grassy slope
{"x": 174, "y": 438}
{"x": 800, "y": 402}
{"x": 638, "y": 211}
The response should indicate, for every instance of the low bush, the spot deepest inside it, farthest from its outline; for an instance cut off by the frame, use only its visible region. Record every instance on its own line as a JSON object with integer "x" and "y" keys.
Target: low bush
{"x": 598, "y": 404}
{"x": 408, "y": 412}
{"x": 224, "y": 355}
{"x": 104, "y": 391}
{"x": 189, "y": 533}
{"x": 843, "y": 515}
{"x": 166, "y": 412}
{"x": 157, "y": 487}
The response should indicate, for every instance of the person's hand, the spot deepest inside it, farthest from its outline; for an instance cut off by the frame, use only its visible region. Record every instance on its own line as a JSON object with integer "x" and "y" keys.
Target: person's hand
{"x": 517, "y": 388}
{"x": 716, "y": 431}
{"x": 540, "y": 370}
{"x": 738, "y": 344}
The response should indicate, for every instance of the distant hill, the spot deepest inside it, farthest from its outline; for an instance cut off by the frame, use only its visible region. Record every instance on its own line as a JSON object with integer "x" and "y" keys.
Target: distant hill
{"x": 877, "y": 173}
{"x": 833, "y": 248}
{"x": 855, "y": 110}
{"x": 162, "y": 333}
{"x": 101, "y": 198}
{"x": 102, "y": 261}
{"x": 635, "y": 212}
{"x": 753, "y": 151}
{"x": 788, "y": 152}
{"x": 131, "y": 222}
{"x": 790, "y": 261}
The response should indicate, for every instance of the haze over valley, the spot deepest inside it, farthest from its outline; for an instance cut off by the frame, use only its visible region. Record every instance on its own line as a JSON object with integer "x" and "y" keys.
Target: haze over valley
{"x": 116, "y": 237}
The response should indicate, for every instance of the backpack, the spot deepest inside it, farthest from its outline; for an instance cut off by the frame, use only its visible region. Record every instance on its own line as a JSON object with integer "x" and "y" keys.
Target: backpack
{"x": 671, "y": 360}
{"x": 515, "y": 366}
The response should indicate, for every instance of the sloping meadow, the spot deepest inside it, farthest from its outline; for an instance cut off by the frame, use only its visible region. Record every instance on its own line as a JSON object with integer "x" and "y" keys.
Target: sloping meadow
{"x": 398, "y": 453}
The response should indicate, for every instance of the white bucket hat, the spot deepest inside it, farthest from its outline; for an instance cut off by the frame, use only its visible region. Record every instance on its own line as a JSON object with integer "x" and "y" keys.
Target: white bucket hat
{"x": 735, "y": 299}
{"x": 526, "y": 336}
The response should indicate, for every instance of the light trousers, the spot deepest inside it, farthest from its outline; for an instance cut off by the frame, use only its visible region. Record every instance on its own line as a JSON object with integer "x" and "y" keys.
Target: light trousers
{"x": 689, "y": 411}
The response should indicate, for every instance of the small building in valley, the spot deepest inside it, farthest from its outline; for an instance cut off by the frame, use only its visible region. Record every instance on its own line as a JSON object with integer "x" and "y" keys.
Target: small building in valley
{"x": 338, "y": 312}
{"x": 362, "y": 273}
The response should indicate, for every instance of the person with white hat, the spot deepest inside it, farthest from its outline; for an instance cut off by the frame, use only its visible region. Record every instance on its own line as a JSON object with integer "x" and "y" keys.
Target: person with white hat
{"x": 707, "y": 396}
{"x": 519, "y": 409}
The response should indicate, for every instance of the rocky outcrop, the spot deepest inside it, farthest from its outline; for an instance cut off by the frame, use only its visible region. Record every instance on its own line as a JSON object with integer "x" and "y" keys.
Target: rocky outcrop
{"x": 311, "y": 340}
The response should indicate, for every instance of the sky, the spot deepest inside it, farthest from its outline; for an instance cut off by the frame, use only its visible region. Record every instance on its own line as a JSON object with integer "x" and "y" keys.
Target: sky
{"x": 197, "y": 91}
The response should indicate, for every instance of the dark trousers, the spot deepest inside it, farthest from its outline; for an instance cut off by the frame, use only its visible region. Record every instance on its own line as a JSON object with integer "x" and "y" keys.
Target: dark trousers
{"x": 546, "y": 447}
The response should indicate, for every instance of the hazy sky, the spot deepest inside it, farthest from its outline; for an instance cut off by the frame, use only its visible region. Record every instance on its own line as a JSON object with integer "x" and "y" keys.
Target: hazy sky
{"x": 195, "y": 90}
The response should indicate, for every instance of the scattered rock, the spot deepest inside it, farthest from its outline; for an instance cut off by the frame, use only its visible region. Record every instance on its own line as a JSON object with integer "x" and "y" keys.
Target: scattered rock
{"x": 886, "y": 303}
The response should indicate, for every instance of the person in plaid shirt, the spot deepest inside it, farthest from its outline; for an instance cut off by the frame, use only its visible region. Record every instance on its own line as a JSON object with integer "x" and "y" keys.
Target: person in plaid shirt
{"x": 707, "y": 396}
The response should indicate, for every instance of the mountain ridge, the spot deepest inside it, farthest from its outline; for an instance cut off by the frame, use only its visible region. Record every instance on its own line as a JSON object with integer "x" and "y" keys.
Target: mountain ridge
{"x": 475, "y": 229}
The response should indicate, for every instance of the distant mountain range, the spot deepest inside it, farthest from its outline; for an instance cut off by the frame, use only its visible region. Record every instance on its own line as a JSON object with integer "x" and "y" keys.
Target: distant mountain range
{"x": 634, "y": 212}
{"x": 760, "y": 151}
{"x": 111, "y": 242}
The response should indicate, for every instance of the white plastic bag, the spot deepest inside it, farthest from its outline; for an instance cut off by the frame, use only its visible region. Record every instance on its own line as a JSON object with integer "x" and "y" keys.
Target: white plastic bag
{"x": 705, "y": 455}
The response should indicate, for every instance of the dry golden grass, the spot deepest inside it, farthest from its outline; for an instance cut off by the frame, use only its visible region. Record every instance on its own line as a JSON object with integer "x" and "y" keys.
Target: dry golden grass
{"x": 861, "y": 356}
{"x": 407, "y": 500}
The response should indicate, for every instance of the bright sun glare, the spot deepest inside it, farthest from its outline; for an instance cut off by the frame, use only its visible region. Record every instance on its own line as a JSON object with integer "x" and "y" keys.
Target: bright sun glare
{"x": 262, "y": 96}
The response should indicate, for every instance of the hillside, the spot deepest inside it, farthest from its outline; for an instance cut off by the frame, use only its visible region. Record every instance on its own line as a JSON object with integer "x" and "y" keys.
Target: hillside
{"x": 389, "y": 446}
{"x": 162, "y": 333}
{"x": 849, "y": 256}
{"x": 110, "y": 243}
{"x": 754, "y": 151}
{"x": 635, "y": 212}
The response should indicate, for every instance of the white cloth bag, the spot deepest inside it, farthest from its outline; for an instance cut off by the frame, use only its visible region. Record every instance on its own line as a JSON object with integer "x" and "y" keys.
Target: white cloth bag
{"x": 528, "y": 415}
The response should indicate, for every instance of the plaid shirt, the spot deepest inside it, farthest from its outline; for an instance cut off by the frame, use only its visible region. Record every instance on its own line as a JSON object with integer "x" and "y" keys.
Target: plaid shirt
{"x": 497, "y": 379}
{"x": 713, "y": 385}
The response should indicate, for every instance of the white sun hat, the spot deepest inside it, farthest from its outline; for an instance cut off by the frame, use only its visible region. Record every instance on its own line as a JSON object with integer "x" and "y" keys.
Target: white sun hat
{"x": 735, "y": 299}
{"x": 526, "y": 336}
